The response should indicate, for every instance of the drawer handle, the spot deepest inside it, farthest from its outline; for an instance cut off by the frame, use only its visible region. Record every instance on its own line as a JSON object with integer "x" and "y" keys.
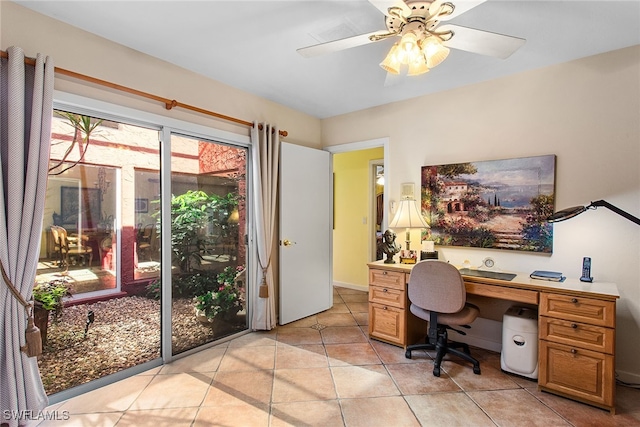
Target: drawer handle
{"x": 384, "y": 308}
{"x": 574, "y": 300}
{"x": 385, "y": 290}
{"x": 384, "y": 273}
{"x": 574, "y": 351}
{"x": 574, "y": 326}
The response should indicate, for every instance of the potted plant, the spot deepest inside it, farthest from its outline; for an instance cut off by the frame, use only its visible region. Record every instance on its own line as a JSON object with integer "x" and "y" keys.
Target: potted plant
{"x": 48, "y": 297}
{"x": 226, "y": 300}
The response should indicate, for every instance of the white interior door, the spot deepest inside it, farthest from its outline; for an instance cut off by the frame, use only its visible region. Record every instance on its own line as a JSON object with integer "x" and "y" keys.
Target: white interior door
{"x": 305, "y": 232}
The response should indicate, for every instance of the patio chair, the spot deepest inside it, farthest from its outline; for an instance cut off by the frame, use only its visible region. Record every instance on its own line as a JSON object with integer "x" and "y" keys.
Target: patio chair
{"x": 145, "y": 241}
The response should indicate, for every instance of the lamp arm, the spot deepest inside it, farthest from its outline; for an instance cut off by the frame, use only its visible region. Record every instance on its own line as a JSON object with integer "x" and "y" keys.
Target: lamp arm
{"x": 615, "y": 209}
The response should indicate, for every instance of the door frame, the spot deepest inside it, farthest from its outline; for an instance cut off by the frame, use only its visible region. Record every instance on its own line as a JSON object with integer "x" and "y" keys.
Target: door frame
{"x": 373, "y": 211}
{"x": 365, "y": 145}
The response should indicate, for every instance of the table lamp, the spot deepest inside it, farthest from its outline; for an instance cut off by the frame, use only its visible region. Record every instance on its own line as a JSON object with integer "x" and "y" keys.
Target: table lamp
{"x": 408, "y": 216}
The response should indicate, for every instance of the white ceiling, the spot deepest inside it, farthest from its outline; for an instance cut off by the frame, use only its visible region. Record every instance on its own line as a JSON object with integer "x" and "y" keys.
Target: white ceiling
{"x": 251, "y": 45}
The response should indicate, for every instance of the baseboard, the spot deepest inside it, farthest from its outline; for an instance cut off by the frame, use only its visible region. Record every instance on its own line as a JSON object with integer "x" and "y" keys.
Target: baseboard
{"x": 484, "y": 333}
{"x": 628, "y": 377}
{"x": 351, "y": 286}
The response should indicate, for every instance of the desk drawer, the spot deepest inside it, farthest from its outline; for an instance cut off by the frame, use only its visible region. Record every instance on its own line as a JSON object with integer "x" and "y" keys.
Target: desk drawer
{"x": 502, "y": 292}
{"x": 387, "y": 323}
{"x": 596, "y": 338}
{"x": 387, "y": 296}
{"x": 387, "y": 279}
{"x": 578, "y": 309}
{"x": 582, "y": 374}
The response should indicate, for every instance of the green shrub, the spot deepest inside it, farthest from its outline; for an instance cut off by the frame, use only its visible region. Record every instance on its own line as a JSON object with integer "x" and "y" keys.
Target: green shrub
{"x": 227, "y": 298}
{"x": 186, "y": 285}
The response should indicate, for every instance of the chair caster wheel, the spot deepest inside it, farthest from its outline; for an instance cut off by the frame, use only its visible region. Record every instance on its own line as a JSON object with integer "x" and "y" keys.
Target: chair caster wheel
{"x": 476, "y": 370}
{"x": 436, "y": 372}
{"x": 407, "y": 354}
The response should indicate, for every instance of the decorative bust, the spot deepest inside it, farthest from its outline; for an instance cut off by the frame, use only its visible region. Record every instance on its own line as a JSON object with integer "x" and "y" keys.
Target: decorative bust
{"x": 389, "y": 246}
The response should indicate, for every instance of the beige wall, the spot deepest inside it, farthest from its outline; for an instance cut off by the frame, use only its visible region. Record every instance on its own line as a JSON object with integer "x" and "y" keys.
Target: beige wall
{"x": 76, "y": 50}
{"x": 586, "y": 112}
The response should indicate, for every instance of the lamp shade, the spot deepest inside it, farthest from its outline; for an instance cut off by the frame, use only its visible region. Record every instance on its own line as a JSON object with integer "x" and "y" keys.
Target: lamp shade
{"x": 408, "y": 216}
{"x": 566, "y": 214}
{"x": 418, "y": 67}
{"x": 234, "y": 218}
{"x": 434, "y": 51}
{"x": 577, "y": 210}
{"x": 391, "y": 63}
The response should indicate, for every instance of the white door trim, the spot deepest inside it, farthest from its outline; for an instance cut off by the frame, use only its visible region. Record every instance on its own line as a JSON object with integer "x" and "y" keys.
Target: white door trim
{"x": 364, "y": 145}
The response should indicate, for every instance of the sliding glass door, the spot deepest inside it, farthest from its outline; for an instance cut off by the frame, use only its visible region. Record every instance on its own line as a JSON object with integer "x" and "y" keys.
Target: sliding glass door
{"x": 91, "y": 256}
{"x": 143, "y": 244}
{"x": 208, "y": 252}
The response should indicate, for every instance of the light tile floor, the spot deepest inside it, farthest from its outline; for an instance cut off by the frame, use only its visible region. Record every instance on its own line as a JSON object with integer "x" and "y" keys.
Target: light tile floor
{"x": 324, "y": 371}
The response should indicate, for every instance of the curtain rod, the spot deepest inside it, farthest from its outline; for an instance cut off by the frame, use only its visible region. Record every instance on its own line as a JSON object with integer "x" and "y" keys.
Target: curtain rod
{"x": 168, "y": 103}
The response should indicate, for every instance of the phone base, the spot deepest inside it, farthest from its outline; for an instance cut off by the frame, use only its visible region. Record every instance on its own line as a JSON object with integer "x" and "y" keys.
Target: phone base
{"x": 586, "y": 279}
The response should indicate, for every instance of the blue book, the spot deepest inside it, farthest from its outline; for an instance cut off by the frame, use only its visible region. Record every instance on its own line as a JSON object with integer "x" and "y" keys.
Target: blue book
{"x": 554, "y": 276}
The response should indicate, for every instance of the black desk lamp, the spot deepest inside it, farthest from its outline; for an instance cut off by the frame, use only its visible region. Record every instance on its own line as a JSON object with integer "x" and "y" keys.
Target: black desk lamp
{"x": 577, "y": 210}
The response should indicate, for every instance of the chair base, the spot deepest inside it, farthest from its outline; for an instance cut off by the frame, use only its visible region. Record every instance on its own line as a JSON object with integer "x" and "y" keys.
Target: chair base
{"x": 443, "y": 346}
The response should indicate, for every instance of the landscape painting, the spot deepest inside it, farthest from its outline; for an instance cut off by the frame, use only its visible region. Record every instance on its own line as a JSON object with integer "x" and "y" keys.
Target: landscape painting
{"x": 498, "y": 204}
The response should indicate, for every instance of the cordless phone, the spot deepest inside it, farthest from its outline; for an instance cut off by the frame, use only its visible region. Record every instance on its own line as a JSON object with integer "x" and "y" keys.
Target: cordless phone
{"x": 586, "y": 270}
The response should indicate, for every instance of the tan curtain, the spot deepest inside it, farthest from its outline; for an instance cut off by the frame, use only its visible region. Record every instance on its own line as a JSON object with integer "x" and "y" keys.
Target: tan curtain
{"x": 265, "y": 149}
{"x": 26, "y": 108}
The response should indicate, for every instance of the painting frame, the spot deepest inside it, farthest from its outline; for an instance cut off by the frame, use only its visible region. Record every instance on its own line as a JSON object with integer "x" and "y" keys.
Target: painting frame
{"x": 491, "y": 204}
{"x": 141, "y": 205}
{"x": 80, "y": 207}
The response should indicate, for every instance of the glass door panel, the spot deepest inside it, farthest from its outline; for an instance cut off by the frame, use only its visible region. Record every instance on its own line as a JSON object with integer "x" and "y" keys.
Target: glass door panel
{"x": 208, "y": 225}
{"x": 107, "y": 321}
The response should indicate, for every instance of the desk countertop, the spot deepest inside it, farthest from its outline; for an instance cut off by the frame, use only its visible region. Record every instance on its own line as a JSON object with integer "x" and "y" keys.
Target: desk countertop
{"x": 570, "y": 286}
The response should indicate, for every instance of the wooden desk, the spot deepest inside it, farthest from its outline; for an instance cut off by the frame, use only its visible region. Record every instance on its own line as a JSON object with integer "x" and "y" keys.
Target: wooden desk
{"x": 576, "y": 326}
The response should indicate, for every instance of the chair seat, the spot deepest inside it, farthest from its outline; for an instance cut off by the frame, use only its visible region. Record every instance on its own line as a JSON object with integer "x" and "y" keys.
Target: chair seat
{"x": 464, "y": 317}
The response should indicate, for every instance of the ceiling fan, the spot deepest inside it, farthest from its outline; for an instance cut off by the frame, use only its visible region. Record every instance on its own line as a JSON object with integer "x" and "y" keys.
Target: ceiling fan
{"x": 423, "y": 43}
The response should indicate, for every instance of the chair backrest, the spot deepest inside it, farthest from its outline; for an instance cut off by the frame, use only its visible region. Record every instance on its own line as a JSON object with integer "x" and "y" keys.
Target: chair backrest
{"x": 106, "y": 243}
{"x": 63, "y": 237}
{"x": 149, "y": 229}
{"x": 56, "y": 235}
{"x": 437, "y": 286}
{"x": 147, "y": 233}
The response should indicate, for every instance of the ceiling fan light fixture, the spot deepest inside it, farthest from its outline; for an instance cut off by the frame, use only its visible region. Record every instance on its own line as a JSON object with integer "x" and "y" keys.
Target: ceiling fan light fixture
{"x": 409, "y": 43}
{"x": 434, "y": 51}
{"x": 391, "y": 64}
{"x": 417, "y": 67}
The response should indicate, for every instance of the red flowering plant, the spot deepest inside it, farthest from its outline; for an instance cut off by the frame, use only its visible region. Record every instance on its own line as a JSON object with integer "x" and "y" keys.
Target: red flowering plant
{"x": 229, "y": 296}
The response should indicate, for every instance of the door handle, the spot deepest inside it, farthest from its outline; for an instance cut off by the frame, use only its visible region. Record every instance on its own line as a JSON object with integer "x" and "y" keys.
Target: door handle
{"x": 287, "y": 242}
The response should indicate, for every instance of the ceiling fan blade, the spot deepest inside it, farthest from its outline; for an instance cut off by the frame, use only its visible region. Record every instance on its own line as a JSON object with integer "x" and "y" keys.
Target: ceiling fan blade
{"x": 336, "y": 45}
{"x": 461, "y": 6}
{"x": 384, "y": 5}
{"x": 481, "y": 42}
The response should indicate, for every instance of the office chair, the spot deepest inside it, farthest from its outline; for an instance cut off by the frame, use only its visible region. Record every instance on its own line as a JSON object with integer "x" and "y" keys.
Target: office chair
{"x": 437, "y": 294}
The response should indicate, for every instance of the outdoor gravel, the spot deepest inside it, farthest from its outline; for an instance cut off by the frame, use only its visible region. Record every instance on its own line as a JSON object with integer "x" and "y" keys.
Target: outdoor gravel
{"x": 125, "y": 333}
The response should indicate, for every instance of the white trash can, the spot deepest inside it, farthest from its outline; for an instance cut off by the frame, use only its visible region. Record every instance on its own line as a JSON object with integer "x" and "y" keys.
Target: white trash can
{"x": 520, "y": 342}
